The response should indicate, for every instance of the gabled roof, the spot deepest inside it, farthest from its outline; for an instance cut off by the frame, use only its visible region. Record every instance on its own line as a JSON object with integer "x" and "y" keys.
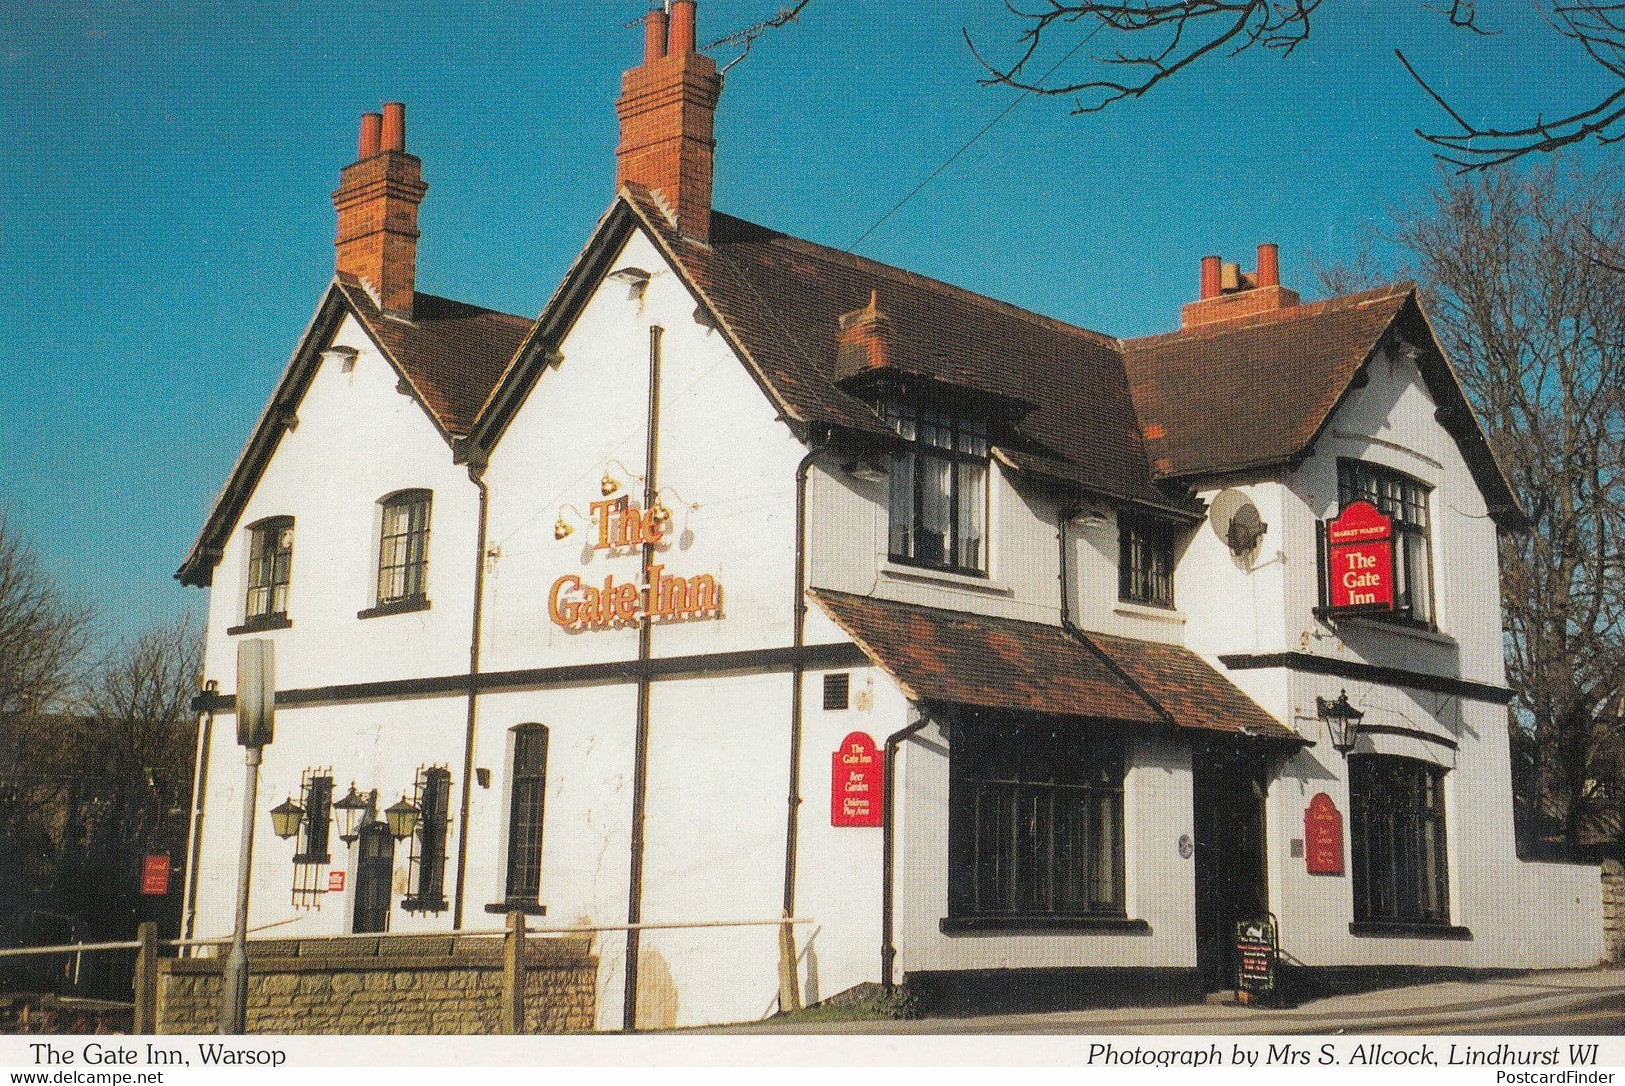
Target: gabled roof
{"x": 1256, "y": 392}
{"x": 449, "y": 355}
{"x": 953, "y": 657}
{"x": 778, "y": 300}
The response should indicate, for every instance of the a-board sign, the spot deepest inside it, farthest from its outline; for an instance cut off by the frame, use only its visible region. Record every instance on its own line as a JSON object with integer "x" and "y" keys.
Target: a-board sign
{"x": 155, "y": 875}
{"x": 855, "y": 782}
{"x": 1323, "y": 836}
{"x": 1360, "y": 560}
{"x": 1257, "y": 944}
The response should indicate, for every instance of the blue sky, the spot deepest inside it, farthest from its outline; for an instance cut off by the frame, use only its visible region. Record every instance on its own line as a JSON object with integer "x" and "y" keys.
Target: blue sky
{"x": 166, "y": 230}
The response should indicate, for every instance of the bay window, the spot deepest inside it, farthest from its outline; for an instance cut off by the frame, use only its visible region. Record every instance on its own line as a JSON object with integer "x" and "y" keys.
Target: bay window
{"x": 1397, "y": 822}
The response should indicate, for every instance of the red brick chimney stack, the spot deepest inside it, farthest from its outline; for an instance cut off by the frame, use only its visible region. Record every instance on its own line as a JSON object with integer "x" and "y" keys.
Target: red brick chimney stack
{"x": 1230, "y": 294}
{"x": 667, "y": 108}
{"x": 377, "y": 202}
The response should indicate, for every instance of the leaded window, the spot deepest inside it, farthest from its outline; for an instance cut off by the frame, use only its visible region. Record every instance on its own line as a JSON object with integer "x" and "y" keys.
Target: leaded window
{"x": 937, "y": 489}
{"x": 526, "y": 804}
{"x": 270, "y": 565}
{"x": 1145, "y": 561}
{"x": 1035, "y": 824}
{"x": 1397, "y": 821}
{"x": 1405, "y": 501}
{"x": 403, "y": 547}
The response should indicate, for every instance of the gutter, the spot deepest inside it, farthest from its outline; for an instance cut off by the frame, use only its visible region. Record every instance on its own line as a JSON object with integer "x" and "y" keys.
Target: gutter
{"x": 476, "y": 475}
{"x": 797, "y": 672}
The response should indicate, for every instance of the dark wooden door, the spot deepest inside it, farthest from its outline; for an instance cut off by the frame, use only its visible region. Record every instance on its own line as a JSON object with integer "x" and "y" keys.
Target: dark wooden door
{"x": 1228, "y": 786}
{"x": 374, "y": 871}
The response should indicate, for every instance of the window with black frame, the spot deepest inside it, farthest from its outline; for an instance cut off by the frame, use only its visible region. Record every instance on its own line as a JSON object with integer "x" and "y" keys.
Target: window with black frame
{"x": 1397, "y": 823}
{"x": 526, "y": 805}
{"x": 1405, "y": 501}
{"x": 270, "y": 567}
{"x": 428, "y": 858}
{"x": 313, "y": 827}
{"x": 937, "y": 489}
{"x": 403, "y": 547}
{"x": 1145, "y": 561}
{"x": 1035, "y": 823}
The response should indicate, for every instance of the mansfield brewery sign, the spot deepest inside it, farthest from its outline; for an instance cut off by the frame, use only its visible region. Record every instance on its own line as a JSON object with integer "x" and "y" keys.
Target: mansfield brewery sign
{"x": 576, "y": 605}
{"x": 1360, "y": 560}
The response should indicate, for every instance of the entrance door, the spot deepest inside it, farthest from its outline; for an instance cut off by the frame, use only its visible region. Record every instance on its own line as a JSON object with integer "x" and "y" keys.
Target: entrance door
{"x": 374, "y": 871}
{"x": 1228, "y": 786}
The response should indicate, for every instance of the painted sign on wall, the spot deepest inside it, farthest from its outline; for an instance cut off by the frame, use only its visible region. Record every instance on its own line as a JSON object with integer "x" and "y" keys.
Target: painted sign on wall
{"x": 856, "y": 782}
{"x": 1323, "y": 836}
{"x": 155, "y": 875}
{"x": 620, "y": 525}
{"x": 1360, "y": 560}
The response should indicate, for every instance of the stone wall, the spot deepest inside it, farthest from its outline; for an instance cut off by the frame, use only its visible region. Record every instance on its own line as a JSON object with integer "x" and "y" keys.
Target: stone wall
{"x": 392, "y": 985}
{"x": 1613, "y": 910}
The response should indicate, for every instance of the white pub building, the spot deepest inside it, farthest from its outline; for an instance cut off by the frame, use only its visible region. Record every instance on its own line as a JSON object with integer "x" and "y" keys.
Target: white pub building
{"x": 754, "y": 578}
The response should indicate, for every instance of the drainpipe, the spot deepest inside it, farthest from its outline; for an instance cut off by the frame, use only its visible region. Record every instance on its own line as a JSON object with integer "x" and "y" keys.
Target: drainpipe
{"x": 476, "y": 475}
{"x": 797, "y": 673}
{"x": 640, "y": 756}
{"x": 200, "y": 780}
{"x": 888, "y": 844}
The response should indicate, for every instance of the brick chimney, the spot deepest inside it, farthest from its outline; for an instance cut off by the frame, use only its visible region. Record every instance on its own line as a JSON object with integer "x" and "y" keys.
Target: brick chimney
{"x": 1229, "y": 294}
{"x": 377, "y": 202}
{"x": 667, "y": 108}
{"x": 864, "y": 342}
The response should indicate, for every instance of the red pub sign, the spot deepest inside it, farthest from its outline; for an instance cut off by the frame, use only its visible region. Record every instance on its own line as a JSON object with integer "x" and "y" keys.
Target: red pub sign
{"x": 155, "y": 875}
{"x": 1323, "y": 836}
{"x": 855, "y": 782}
{"x": 1360, "y": 560}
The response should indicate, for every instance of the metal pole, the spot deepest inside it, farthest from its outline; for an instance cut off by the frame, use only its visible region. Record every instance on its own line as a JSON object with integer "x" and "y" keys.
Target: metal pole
{"x": 234, "y": 984}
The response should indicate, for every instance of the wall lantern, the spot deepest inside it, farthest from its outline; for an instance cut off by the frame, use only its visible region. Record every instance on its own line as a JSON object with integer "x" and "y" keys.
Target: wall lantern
{"x": 285, "y": 818}
{"x": 402, "y": 818}
{"x": 1342, "y": 721}
{"x": 348, "y": 813}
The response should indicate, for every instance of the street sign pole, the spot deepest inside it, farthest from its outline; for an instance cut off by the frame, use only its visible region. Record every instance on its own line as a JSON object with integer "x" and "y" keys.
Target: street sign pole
{"x": 256, "y": 704}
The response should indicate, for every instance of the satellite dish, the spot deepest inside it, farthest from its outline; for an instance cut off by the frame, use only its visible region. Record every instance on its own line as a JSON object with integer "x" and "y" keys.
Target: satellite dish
{"x": 1235, "y": 520}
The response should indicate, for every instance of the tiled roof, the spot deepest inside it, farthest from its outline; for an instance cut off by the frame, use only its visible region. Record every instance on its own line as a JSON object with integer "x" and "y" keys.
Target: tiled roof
{"x": 1004, "y": 664}
{"x": 1255, "y": 391}
{"x": 781, "y": 299}
{"x": 451, "y": 352}
{"x": 1188, "y": 688}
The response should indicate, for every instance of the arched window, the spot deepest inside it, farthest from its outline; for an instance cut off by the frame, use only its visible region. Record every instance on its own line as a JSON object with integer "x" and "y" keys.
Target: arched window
{"x": 527, "y": 792}
{"x": 270, "y": 565}
{"x": 403, "y": 548}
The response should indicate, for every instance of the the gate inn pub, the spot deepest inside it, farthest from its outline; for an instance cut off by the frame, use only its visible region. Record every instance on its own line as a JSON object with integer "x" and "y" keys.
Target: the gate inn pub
{"x": 757, "y": 579}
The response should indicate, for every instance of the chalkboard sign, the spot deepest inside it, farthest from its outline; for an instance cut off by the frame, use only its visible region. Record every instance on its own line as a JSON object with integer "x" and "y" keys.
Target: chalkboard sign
{"x": 1257, "y": 956}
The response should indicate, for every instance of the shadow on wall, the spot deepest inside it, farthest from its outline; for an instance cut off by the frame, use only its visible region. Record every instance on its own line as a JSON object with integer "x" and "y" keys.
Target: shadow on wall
{"x": 657, "y": 991}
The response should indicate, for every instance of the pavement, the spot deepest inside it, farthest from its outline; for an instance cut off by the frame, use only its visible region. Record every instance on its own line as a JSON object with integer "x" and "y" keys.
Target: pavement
{"x": 1580, "y": 1001}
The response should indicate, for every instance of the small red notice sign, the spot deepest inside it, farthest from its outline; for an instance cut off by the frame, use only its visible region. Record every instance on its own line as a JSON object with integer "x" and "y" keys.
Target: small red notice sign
{"x": 335, "y": 881}
{"x": 155, "y": 876}
{"x": 1323, "y": 836}
{"x": 1360, "y": 560}
{"x": 855, "y": 783}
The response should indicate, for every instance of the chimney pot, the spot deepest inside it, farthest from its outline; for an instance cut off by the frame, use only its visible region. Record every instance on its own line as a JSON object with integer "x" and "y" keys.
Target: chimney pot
{"x": 393, "y": 130}
{"x": 1210, "y": 277}
{"x": 370, "y": 127}
{"x": 1230, "y": 276}
{"x": 682, "y": 28}
{"x": 1269, "y": 265}
{"x": 654, "y": 34}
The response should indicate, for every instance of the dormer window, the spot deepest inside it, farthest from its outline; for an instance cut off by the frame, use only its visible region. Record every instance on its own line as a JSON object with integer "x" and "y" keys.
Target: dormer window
{"x": 938, "y": 489}
{"x": 270, "y": 565}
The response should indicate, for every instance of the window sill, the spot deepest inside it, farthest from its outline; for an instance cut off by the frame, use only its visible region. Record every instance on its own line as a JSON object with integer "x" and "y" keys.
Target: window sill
{"x": 396, "y": 607}
{"x": 419, "y": 905}
{"x": 529, "y": 908}
{"x": 900, "y": 571}
{"x": 1150, "y": 611}
{"x": 259, "y": 623}
{"x": 1386, "y": 929}
{"x": 1420, "y": 633}
{"x": 962, "y": 925}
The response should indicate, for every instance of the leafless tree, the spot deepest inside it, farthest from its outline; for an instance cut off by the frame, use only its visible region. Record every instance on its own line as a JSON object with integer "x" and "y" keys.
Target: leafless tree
{"x": 1519, "y": 272}
{"x": 1148, "y": 41}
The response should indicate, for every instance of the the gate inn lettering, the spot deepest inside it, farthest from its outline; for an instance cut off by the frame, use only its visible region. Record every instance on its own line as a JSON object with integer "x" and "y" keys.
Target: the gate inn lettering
{"x": 620, "y": 524}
